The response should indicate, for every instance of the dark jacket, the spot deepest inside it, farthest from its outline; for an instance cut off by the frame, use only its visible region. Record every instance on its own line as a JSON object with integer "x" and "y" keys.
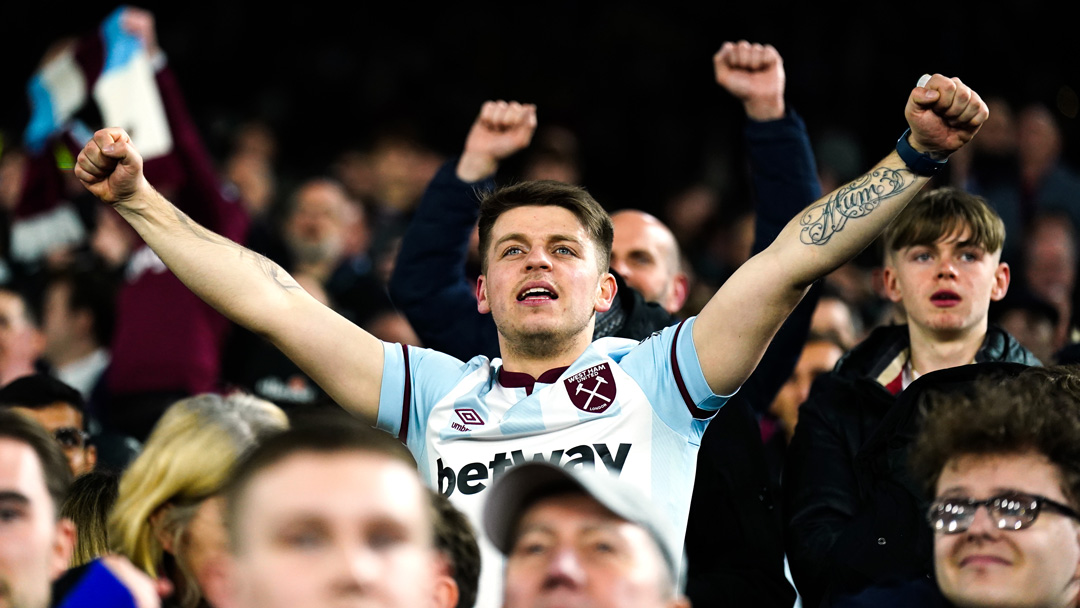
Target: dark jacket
{"x": 854, "y": 516}
{"x": 922, "y": 592}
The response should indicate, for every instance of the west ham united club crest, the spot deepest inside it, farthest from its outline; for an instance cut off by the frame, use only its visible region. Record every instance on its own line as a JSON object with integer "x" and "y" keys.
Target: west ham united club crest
{"x": 592, "y": 390}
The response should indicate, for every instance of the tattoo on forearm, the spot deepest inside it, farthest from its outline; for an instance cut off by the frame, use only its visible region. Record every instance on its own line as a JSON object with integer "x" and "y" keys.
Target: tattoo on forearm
{"x": 856, "y": 199}
{"x": 268, "y": 267}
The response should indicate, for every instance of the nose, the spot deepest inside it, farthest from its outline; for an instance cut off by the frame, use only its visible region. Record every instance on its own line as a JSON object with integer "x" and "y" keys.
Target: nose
{"x": 564, "y": 569}
{"x": 946, "y": 268}
{"x": 358, "y": 568}
{"x": 982, "y": 524}
{"x": 537, "y": 258}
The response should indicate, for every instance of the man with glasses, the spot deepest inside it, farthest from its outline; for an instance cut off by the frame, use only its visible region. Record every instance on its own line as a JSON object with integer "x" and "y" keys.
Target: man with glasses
{"x": 1001, "y": 467}
{"x": 60, "y": 409}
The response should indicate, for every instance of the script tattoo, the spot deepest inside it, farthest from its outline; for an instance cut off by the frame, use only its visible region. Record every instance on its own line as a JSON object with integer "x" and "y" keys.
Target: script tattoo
{"x": 269, "y": 268}
{"x": 856, "y": 199}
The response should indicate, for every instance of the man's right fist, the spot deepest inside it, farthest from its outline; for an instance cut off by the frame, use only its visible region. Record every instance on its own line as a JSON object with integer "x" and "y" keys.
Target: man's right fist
{"x": 110, "y": 167}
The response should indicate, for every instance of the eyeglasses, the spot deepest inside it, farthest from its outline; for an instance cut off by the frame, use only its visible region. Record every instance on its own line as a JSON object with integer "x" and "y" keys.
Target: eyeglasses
{"x": 70, "y": 437}
{"x": 1011, "y": 511}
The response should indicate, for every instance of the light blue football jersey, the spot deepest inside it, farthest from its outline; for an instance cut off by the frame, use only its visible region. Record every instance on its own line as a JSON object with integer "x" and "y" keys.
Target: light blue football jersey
{"x": 633, "y": 410}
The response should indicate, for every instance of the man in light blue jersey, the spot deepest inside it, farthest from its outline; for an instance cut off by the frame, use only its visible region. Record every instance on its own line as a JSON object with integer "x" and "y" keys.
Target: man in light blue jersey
{"x": 636, "y": 410}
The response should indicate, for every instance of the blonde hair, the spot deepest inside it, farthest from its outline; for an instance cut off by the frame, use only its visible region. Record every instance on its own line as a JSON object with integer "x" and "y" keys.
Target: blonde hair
{"x": 186, "y": 460}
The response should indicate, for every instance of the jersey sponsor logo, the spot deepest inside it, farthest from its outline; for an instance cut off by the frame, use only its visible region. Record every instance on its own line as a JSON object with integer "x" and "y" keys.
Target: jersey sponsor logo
{"x": 476, "y": 476}
{"x": 592, "y": 390}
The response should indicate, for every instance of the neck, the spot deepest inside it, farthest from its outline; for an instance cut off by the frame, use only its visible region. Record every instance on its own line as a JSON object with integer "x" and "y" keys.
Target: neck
{"x": 546, "y": 353}
{"x": 931, "y": 352}
{"x": 12, "y": 371}
{"x": 73, "y": 353}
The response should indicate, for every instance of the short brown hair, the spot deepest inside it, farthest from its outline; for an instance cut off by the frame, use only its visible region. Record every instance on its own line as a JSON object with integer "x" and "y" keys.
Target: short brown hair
{"x": 1037, "y": 410}
{"x": 330, "y": 433}
{"x": 544, "y": 193}
{"x": 455, "y": 539}
{"x": 54, "y": 464}
{"x": 940, "y": 213}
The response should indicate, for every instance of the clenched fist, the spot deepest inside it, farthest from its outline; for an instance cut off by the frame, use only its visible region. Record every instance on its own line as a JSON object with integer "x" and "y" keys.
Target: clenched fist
{"x": 110, "y": 167}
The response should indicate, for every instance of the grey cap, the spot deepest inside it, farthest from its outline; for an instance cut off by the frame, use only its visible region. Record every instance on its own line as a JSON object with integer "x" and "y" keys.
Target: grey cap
{"x": 524, "y": 485}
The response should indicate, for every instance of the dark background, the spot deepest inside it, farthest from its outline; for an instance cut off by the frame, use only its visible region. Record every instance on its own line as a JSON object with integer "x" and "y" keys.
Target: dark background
{"x": 633, "y": 79}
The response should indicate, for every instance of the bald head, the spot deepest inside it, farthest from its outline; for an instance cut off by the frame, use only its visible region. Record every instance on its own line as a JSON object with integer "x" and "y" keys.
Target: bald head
{"x": 646, "y": 255}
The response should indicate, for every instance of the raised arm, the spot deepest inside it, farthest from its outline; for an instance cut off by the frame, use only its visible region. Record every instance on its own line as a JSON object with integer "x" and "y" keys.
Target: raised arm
{"x": 735, "y": 327}
{"x": 785, "y": 181}
{"x": 244, "y": 286}
{"x": 429, "y": 283}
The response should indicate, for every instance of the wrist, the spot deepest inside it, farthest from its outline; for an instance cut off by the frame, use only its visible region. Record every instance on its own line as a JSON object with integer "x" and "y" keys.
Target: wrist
{"x": 475, "y": 167}
{"x": 763, "y": 110}
{"x": 138, "y": 200}
{"x": 920, "y": 160}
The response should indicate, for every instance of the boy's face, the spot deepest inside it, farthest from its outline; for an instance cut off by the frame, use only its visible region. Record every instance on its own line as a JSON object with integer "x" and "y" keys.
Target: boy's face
{"x": 946, "y": 287}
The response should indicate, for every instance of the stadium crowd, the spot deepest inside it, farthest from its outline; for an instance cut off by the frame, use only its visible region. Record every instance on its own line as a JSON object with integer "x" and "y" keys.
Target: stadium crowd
{"x": 415, "y": 381}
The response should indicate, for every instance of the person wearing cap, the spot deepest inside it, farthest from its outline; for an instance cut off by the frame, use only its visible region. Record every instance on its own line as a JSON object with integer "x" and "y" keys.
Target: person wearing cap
{"x": 570, "y": 535}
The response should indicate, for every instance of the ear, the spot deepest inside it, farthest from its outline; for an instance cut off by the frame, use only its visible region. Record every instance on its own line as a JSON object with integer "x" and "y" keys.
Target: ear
{"x": 680, "y": 290}
{"x": 1002, "y": 276}
{"x": 605, "y": 292}
{"x": 891, "y": 283}
{"x": 91, "y": 457}
{"x": 84, "y": 321}
{"x": 446, "y": 592}
{"x": 482, "y": 304}
{"x": 157, "y": 524}
{"x": 36, "y": 340}
{"x": 63, "y": 548}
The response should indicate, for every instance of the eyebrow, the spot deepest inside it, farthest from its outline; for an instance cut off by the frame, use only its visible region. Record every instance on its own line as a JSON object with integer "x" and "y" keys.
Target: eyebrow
{"x": 554, "y": 238}
{"x": 12, "y": 496}
{"x": 996, "y": 491}
{"x": 590, "y": 527}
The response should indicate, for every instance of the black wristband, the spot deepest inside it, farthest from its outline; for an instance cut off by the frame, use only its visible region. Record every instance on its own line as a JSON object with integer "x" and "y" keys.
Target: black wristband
{"x": 919, "y": 162}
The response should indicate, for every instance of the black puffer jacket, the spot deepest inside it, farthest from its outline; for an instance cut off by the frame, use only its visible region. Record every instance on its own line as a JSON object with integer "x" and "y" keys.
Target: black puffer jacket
{"x": 854, "y": 516}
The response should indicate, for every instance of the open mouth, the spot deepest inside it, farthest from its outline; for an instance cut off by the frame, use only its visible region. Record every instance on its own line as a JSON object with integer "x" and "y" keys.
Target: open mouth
{"x": 537, "y": 293}
{"x": 945, "y": 297}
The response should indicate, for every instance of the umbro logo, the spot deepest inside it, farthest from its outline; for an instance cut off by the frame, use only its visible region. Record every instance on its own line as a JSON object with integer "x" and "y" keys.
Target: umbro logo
{"x": 467, "y": 416}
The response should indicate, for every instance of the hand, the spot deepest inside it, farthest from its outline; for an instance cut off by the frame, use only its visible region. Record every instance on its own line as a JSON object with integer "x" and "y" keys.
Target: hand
{"x": 146, "y": 591}
{"x": 502, "y": 129}
{"x": 140, "y": 23}
{"x": 944, "y": 115}
{"x": 754, "y": 74}
{"x": 110, "y": 167}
